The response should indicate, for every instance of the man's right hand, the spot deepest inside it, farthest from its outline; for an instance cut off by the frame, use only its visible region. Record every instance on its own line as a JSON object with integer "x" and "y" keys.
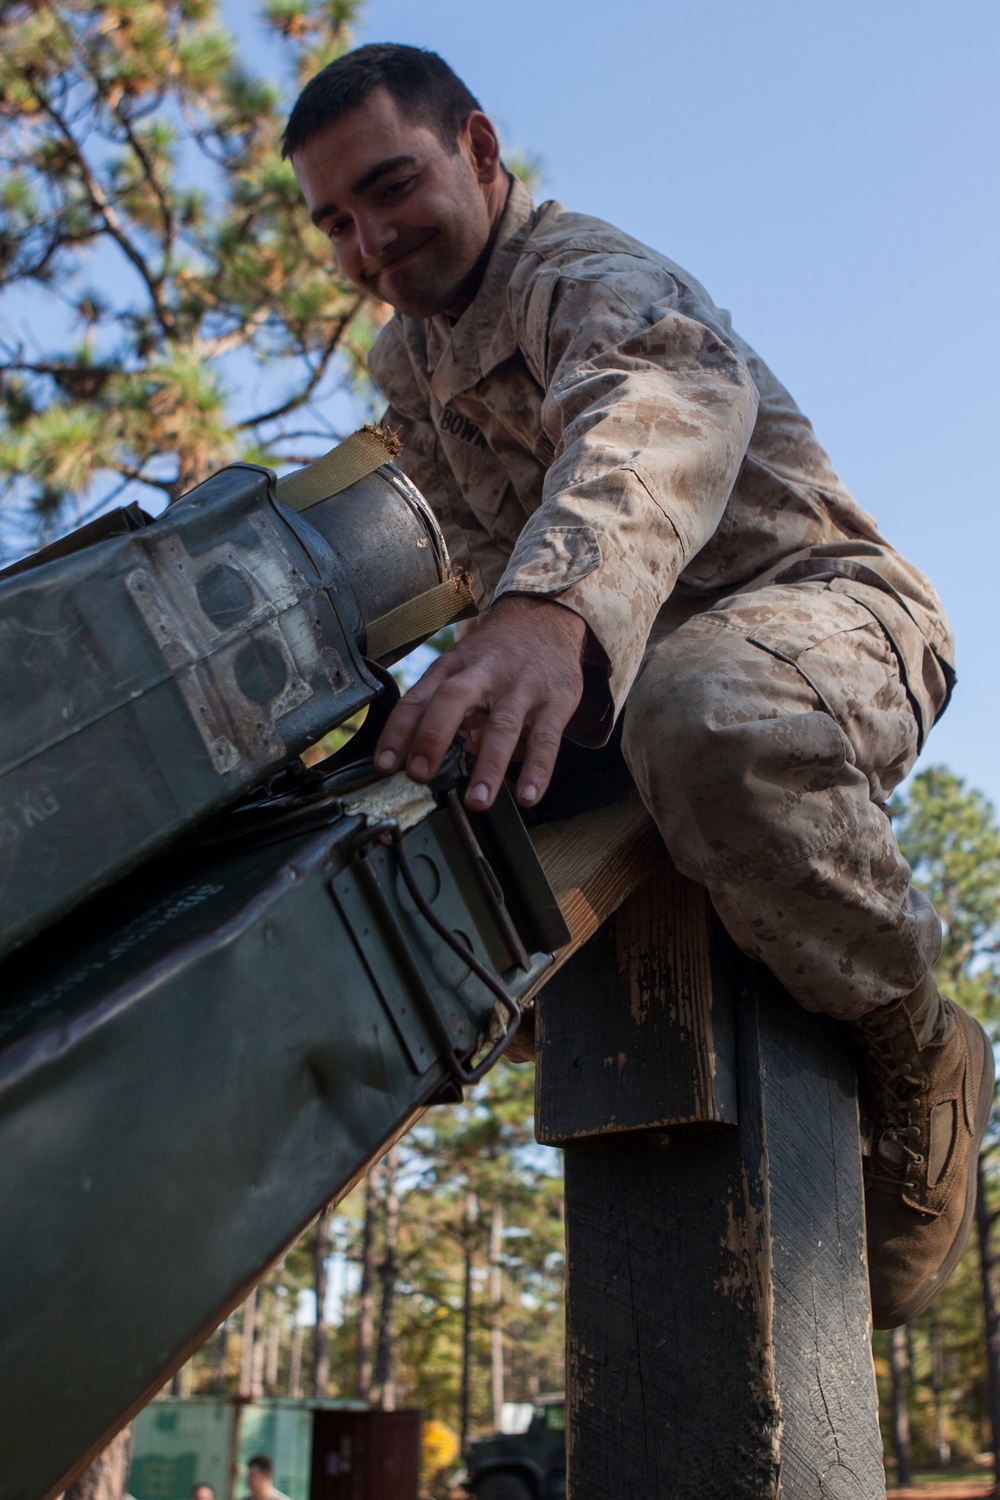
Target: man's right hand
{"x": 516, "y": 680}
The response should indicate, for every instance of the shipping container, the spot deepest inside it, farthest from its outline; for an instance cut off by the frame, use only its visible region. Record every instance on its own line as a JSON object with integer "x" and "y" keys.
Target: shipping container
{"x": 183, "y": 1441}
{"x": 366, "y": 1455}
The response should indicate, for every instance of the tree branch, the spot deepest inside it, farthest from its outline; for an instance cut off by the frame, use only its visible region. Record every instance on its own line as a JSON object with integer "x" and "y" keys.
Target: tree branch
{"x": 92, "y": 69}
{"x": 225, "y": 343}
{"x": 82, "y": 379}
{"x": 111, "y": 496}
{"x": 328, "y": 435}
{"x": 105, "y": 208}
{"x": 317, "y": 375}
{"x": 150, "y": 175}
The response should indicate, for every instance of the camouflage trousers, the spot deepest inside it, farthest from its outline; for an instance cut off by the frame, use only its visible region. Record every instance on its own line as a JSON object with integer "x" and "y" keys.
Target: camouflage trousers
{"x": 764, "y": 735}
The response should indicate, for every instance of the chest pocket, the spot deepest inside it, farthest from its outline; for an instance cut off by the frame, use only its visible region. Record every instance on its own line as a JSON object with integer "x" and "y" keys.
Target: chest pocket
{"x": 481, "y": 480}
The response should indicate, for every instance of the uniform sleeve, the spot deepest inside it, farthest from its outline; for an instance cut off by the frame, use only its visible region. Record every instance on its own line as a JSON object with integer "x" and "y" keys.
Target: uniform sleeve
{"x": 650, "y": 412}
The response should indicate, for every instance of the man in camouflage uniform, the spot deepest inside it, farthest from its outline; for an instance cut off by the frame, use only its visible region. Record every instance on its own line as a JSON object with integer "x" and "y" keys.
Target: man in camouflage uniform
{"x": 654, "y": 530}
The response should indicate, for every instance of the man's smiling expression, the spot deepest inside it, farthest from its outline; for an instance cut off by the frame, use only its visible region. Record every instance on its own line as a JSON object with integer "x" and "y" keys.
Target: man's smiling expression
{"x": 409, "y": 221}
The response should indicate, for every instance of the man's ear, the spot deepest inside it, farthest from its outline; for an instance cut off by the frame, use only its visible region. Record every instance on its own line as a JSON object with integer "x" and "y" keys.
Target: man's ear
{"x": 482, "y": 144}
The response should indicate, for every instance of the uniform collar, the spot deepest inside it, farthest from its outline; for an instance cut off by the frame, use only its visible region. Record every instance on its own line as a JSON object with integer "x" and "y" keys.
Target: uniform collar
{"x": 459, "y": 354}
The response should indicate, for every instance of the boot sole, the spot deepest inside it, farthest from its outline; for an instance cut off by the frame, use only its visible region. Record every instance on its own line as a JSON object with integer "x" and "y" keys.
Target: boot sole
{"x": 925, "y": 1296}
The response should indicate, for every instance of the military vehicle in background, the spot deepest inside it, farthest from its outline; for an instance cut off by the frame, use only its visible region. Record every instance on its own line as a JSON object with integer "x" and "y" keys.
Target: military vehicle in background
{"x": 526, "y": 1465}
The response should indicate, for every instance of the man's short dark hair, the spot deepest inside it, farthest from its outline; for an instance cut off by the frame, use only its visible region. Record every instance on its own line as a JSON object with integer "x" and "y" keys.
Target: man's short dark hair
{"x": 262, "y": 1462}
{"x": 422, "y": 84}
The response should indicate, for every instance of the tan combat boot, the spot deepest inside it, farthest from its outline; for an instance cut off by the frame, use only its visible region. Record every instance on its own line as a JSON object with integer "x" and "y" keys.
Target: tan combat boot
{"x": 929, "y": 1069}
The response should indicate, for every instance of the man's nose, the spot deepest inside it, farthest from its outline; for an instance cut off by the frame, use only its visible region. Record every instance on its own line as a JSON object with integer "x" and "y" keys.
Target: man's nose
{"x": 375, "y": 235}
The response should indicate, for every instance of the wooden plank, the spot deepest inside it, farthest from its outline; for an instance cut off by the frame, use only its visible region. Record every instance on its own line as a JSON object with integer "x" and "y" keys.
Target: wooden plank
{"x": 717, "y": 1335}
{"x": 593, "y": 862}
{"x": 630, "y": 1035}
{"x": 801, "y": 1068}
{"x": 670, "y": 1386}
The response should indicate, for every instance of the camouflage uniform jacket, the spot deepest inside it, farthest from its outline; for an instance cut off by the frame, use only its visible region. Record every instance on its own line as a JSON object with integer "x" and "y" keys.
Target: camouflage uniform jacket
{"x": 591, "y": 429}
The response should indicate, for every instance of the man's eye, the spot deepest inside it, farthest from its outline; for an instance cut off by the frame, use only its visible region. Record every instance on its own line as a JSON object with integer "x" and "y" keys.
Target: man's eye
{"x": 336, "y": 229}
{"x": 393, "y": 189}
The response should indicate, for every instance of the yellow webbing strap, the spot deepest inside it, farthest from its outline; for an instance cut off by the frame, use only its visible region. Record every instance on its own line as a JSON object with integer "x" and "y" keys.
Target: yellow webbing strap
{"x": 421, "y": 617}
{"x": 357, "y": 456}
{"x": 353, "y": 459}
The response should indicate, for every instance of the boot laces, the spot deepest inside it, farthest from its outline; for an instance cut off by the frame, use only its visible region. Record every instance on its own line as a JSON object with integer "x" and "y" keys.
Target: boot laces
{"x": 896, "y": 1095}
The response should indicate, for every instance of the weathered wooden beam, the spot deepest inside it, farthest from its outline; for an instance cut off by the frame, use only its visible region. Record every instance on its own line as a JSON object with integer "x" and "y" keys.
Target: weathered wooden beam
{"x": 593, "y": 862}
{"x": 798, "y": 1074}
{"x": 645, "y": 1038}
{"x": 717, "y": 1317}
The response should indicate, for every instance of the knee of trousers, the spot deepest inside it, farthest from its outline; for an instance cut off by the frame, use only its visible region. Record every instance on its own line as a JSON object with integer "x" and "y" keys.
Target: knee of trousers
{"x": 737, "y": 783}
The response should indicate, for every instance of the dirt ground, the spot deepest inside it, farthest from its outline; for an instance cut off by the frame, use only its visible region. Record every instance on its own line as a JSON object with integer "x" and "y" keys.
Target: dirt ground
{"x": 967, "y": 1489}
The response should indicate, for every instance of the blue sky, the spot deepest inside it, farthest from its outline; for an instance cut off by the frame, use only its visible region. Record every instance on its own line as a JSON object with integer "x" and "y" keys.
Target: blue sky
{"x": 830, "y": 174}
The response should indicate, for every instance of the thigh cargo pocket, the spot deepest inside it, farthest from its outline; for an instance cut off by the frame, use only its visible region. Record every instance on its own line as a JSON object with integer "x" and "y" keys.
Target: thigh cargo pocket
{"x": 850, "y": 662}
{"x": 832, "y": 640}
{"x": 804, "y": 617}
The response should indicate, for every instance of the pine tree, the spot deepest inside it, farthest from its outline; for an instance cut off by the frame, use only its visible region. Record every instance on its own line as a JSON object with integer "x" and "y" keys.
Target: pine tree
{"x": 150, "y": 229}
{"x": 949, "y": 835}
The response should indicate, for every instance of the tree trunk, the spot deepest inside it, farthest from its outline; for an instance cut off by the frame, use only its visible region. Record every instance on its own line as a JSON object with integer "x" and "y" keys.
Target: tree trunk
{"x": 385, "y": 1375}
{"x": 246, "y": 1353}
{"x": 468, "y": 1232}
{"x": 295, "y": 1361}
{"x": 988, "y": 1286}
{"x": 496, "y": 1313}
{"x": 942, "y": 1447}
{"x": 107, "y": 1477}
{"x": 900, "y": 1408}
{"x": 257, "y": 1375}
{"x": 222, "y": 1359}
{"x": 321, "y": 1335}
{"x": 274, "y": 1334}
{"x": 366, "y": 1295}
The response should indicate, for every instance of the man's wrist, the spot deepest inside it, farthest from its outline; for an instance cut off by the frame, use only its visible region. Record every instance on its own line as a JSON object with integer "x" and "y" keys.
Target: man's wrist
{"x": 570, "y": 621}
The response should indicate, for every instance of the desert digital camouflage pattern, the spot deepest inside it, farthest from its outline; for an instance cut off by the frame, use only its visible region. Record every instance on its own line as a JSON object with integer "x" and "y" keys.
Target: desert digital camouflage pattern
{"x": 591, "y": 429}
{"x": 764, "y": 735}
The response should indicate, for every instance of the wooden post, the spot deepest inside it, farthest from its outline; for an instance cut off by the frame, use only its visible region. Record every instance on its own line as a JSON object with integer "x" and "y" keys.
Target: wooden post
{"x": 717, "y": 1306}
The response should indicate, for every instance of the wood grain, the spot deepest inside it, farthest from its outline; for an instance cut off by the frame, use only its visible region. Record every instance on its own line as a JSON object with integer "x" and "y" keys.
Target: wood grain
{"x": 593, "y": 862}
{"x": 801, "y": 1070}
{"x": 630, "y": 1035}
{"x": 717, "y": 1322}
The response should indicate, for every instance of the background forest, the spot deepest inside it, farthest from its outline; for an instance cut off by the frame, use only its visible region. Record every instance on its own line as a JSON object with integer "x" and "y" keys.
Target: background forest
{"x": 166, "y": 308}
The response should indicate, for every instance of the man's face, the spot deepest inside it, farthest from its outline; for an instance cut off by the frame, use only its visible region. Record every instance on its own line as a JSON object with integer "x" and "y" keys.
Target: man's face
{"x": 258, "y": 1483}
{"x": 409, "y": 221}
